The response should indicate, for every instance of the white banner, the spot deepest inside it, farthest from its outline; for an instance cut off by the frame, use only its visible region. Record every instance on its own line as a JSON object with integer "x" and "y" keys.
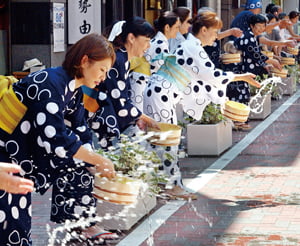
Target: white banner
{"x": 84, "y": 17}
{"x": 58, "y": 27}
{"x": 189, "y": 4}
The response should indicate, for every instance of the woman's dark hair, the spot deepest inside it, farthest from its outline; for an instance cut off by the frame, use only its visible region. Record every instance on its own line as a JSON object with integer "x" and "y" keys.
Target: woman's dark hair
{"x": 282, "y": 15}
{"x": 165, "y": 18}
{"x": 136, "y": 25}
{"x": 269, "y": 7}
{"x": 95, "y": 46}
{"x": 207, "y": 19}
{"x": 274, "y": 9}
{"x": 259, "y": 18}
{"x": 182, "y": 12}
{"x": 293, "y": 14}
{"x": 271, "y": 16}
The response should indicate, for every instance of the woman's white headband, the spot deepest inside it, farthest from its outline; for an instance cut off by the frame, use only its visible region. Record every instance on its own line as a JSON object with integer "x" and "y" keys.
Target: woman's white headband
{"x": 116, "y": 30}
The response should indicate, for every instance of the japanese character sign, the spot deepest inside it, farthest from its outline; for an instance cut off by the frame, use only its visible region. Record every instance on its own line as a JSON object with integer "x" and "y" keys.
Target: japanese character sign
{"x": 84, "y": 18}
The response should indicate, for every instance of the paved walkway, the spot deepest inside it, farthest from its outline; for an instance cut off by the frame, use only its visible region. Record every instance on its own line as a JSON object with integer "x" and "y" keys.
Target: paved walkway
{"x": 247, "y": 197}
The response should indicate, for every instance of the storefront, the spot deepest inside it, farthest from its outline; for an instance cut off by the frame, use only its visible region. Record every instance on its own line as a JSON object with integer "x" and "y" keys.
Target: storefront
{"x": 44, "y": 29}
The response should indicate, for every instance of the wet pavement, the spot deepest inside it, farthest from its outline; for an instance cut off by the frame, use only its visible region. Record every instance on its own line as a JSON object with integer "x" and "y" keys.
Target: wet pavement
{"x": 248, "y": 196}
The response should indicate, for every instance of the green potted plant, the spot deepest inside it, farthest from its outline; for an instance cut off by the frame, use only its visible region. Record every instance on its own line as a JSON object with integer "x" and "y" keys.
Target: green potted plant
{"x": 212, "y": 135}
{"x": 133, "y": 160}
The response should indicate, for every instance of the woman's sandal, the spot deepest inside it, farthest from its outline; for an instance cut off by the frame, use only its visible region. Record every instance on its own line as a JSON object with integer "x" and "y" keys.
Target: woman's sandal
{"x": 242, "y": 126}
{"x": 100, "y": 237}
{"x": 105, "y": 236}
{"x": 179, "y": 193}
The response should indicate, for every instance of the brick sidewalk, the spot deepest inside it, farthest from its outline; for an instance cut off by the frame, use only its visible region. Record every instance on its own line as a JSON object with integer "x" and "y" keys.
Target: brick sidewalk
{"x": 253, "y": 201}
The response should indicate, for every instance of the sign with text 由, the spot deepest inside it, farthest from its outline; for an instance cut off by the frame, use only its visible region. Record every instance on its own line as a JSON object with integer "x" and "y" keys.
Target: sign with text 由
{"x": 84, "y": 17}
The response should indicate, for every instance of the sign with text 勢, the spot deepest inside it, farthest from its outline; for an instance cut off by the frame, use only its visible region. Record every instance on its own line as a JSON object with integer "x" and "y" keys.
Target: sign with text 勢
{"x": 84, "y": 17}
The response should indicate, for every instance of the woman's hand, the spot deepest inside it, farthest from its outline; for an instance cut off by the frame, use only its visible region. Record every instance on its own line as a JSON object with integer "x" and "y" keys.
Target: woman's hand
{"x": 275, "y": 63}
{"x": 249, "y": 78}
{"x": 290, "y": 43}
{"x": 236, "y": 32}
{"x": 145, "y": 121}
{"x": 106, "y": 168}
{"x": 13, "y": 184}
{"x": 269, "y": 67}
{"x": 142, "y": 125}
{"x": 103, "y": 165}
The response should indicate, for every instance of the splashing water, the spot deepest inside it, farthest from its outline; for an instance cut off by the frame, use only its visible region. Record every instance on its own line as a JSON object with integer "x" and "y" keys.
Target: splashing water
{"x": 206, "y": 219}
{"x": 150, "y": 240}
{"x": 266, "y": 88}
{"x": 65, "y": 233}
{"x": 68, "y": 227}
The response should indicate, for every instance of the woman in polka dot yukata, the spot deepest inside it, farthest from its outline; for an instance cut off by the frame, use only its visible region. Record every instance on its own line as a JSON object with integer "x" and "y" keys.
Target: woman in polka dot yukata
{"x": 43, "y": 128}
{"x": 117, "y": 112}
{"x": 184, "y": 15}
{"x": 253, "y": 60}
{"x": 214, "y": 51}
{"x": 138, "y": 77}
{"x": 167, "y": 26}
{"x": 192, "y": 78}
{"x": 140, "y": 68}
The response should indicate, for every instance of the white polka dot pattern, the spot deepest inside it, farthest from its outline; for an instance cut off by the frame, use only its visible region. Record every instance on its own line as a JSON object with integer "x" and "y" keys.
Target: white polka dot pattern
{"x": 253, "y": 59}
{"x": 117, "y": 110}
{"x": 52, "y": 108}
{"x": 208, "y": 83}
{"x": 158, "y": 45}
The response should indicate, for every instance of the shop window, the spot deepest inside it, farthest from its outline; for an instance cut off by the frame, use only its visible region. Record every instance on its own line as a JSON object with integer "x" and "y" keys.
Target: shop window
{"x": 30, "y": 23}
{"x": 235, "y": 4}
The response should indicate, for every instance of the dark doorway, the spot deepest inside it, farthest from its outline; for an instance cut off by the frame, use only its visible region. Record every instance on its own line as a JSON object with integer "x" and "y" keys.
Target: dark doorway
{"x": 31, "y": 23}
{"x": 113, "y": 10}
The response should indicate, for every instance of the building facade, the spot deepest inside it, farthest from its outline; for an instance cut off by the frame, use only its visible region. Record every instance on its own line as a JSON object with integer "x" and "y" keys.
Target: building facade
{"x": 44, "y": 29}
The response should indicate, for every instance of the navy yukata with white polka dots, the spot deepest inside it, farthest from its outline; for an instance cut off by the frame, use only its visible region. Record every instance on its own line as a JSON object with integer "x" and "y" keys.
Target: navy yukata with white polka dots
{"x": 43, "y": 144}
{"x": 253, "y": 61}
{"x": 116, "y": 112}
{"x": 241, "y": 21}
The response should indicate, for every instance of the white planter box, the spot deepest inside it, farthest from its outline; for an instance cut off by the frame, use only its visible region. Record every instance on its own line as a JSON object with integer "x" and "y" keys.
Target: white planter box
{"x": 209, "y": 139}
{"x": 179, "y": 112}
{"x": 263, "y": 109}
{"x": 290, "y": 86}
{"x": 123, "y": 217}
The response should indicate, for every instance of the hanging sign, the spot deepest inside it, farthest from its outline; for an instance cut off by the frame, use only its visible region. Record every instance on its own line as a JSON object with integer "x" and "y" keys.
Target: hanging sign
{"x": 84, "y": 17}
{"x": 58, "y": 27}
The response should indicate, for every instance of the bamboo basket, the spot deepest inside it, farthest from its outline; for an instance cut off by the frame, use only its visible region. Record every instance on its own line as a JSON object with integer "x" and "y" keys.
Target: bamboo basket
{"x": 293, "y": 51}
{"x": 228, "y": 58}
{"x": 167, "y": 135}
{"x": 280, "y": 73}
{"x": 236, "y": 111}
{"x": 269, "y": 54}
{"x": 120, "y": 190}
{"x": 288, "y": 61}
